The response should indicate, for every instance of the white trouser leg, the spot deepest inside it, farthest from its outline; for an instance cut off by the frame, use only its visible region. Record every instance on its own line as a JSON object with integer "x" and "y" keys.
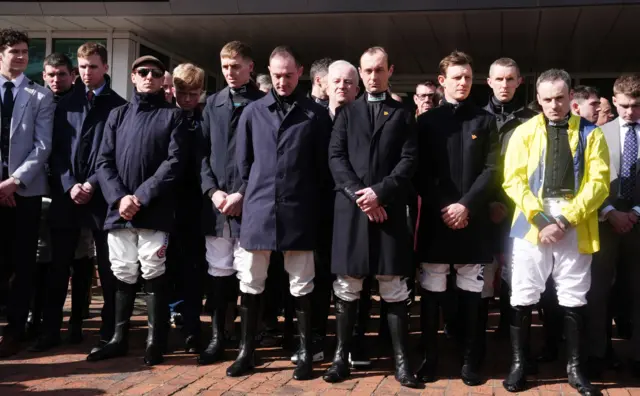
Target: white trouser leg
{"x": 470, "y": 277}
{"x": 123, "y": 254}
{"x": 531, "y": 266}
{"x": 347, "y": 288}
{"x": 152, "y": 252}
{"x": 220, "y": 255}
{"x": 490, "y": 271}
{"x": 252, "y": 270}
{"x": 301, "y": 268}
{"x": 571, "y": 271}
{"x": 433, "y": 277}
{"x": 393, "y": 288}
{"x": 505, "y": 274}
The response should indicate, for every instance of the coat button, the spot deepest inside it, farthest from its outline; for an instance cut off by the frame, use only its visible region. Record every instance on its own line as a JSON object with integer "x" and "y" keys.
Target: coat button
{"x": 280, "y": 176}
{"x": 280, "y": 152}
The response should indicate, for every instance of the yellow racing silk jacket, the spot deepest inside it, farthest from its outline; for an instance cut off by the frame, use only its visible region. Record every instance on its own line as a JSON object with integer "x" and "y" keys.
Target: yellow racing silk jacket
{"x": 524, "y": 175}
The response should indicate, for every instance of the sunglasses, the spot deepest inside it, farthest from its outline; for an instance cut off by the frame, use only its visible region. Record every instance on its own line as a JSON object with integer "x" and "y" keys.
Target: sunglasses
{"x": 155, "y": 73}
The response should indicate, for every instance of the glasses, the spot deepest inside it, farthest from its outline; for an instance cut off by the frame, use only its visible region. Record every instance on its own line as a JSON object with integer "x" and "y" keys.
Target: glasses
{"x": 155, "y": 73}
{"x": 425, "y": 96}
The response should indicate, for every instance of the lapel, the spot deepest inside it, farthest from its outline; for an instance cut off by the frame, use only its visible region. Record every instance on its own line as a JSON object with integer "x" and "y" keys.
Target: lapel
{"x": 23, "y": 94}
{"x": 388, "y": 108}
{"x": 362, "y": 111}
{"x": 611, "y": 132}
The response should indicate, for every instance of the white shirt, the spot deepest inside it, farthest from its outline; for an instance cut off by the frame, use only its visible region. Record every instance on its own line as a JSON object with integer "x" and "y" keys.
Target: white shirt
{"x": 16, "y": 82}
{"x": 624, "y": 128}
{"x": 96, "y": 91}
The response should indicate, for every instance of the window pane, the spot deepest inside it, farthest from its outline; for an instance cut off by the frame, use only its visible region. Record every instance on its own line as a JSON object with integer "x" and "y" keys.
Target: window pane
{"x": 37, "y": 49}
{"x": 69, "y": 47}
{"x": 144, "y": 50}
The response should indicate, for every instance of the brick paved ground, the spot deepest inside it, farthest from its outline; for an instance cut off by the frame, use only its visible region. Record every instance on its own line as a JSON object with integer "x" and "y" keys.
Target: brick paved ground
{"x": 64, "y": 371}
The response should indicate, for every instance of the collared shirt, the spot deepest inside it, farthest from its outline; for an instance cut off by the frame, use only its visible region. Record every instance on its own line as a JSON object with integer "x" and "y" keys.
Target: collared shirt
{"x": 16, "y": 83}
{"x": 96, "y": 91}
{"x": 624, "y": 128}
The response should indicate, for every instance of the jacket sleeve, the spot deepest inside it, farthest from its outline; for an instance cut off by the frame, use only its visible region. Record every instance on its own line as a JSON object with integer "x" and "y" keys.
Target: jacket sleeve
{"x": 208, "y": 180}
{"x": 244, "y": 148}
{"x": 113, "y": 189}
{"x": 61, "y": 169}
{"x": 344, "y": 176}
{"x": 399, "y": 182}
{"x": 483, "y": 188}
{"x": 595, "y": 188}
{"x": 516, "y": 180}
{"x": 34, "y": 163}
{"x": 163, "y": 180}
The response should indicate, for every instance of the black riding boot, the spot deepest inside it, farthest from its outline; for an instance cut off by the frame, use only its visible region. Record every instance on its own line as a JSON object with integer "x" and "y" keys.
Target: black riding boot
{"x": 119, "y": 343}
{"x": 304, "y": 365}
{"x": 345, "y": 318}
{"x": 219, "y": 287}
{"x": 248, "y": 324}
{"x": 469, "y": 311}
{"x": 520, "y": 330}
{"x": 429, "y": 322}
{"x": 573, "y": 330}
{"x": 483, "y": 321}
{"x": 158, "y": 320}
{"x": 399, "y": 331}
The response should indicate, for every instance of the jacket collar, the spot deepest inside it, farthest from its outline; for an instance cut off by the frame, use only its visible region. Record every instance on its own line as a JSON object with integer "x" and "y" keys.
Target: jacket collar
{"x": 149, "y": 100}
{"x": 224, "y": 96}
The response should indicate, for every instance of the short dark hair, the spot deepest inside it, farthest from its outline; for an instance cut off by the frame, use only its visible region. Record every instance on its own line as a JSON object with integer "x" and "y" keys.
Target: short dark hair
{"x": 58, "y": 59}
{"x": 320, "y": 67}
{"x": 456, "y": 58}
{"x": 627, "y": 84}
{"x": 554, "y": 75}
{"x": 91, "y": 48}
{"x": 504, "y": 62}
{"x": 427, "y": 83}
{"x": 284, "y": 51}
{"x": 375, "y": 49}
{"x": 11, "y": 37}
{"x": 584, "y": 92}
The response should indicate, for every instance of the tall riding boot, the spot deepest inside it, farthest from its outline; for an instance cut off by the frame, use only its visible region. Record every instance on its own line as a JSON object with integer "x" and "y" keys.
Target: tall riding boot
{"x": 119, "y": 344}
{"x": 398, "y": 319}
{"x": 218, "y": 292}
{"x": 505, "y": 310}
{"x": 248, "y": 323}
{"x": 520, "y": 331}
{"x": 429, "y": 322}
{"x": 358, "y": 353}
{"x": 304, "y": 365}
{"x": 574, "y": 330}
{"x": 469, "y": 310}
{"x": 158, "y": 319}
{"x": 483, "y": 321}
{"x": 345, "y": 318}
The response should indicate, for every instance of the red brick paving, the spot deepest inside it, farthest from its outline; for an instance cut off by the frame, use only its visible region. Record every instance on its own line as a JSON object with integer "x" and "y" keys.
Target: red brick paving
{"x": 64, "y": 371}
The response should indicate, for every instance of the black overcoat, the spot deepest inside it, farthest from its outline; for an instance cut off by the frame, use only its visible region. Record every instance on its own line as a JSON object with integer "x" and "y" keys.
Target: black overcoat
{"x": 285, "y": 175}
{"x": 458, "y": 149}
{"x": 384, "y": 157}
{"x": 219, "y": 169}
{"x": 78, "y": 127}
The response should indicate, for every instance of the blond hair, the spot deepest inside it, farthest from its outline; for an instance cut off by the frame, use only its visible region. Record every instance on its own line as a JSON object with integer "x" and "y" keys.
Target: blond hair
{"x": 187, "y": 76}
{"x": 236, "y": 48}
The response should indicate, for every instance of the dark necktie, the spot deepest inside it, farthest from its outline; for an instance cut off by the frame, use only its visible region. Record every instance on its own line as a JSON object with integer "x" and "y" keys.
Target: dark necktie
{"x": 90, "y": 96}
{"x": 5, "y": 126}
{"x": 629, "y": 158}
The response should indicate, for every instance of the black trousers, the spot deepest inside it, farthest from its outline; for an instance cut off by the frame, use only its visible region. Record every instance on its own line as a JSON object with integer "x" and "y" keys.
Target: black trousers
{"x": 187, "y": 269}
{"x": 64, "y": 242}
{"x": 18, "y": 249}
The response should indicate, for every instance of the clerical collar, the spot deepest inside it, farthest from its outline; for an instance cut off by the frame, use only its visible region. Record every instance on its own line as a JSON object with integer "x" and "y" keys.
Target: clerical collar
{"x": 376, "y": 97}
{"x": 560, "y": 123}
{"x": 239, "y": 90}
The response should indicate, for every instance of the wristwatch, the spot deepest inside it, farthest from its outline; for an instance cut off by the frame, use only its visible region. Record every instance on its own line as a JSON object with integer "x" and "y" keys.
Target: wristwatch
{"x": 636, "y": 211}
{"x": 16, "y": 181}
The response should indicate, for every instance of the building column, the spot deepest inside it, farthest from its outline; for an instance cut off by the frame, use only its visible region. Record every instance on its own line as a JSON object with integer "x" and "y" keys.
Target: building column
{"x": 124, "y": 53}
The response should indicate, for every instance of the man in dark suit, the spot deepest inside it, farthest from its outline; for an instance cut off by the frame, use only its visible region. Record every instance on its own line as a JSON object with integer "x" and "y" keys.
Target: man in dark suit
{"x": 26, "y": 121}
{"x": 77, "y": 201}
{"x": 619, "y": 231}
{"x": 456, "y": 180}
{"x": 372, "y": 156}
{"x": 282, "y": 146}
{"x": 220, "y": 184}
